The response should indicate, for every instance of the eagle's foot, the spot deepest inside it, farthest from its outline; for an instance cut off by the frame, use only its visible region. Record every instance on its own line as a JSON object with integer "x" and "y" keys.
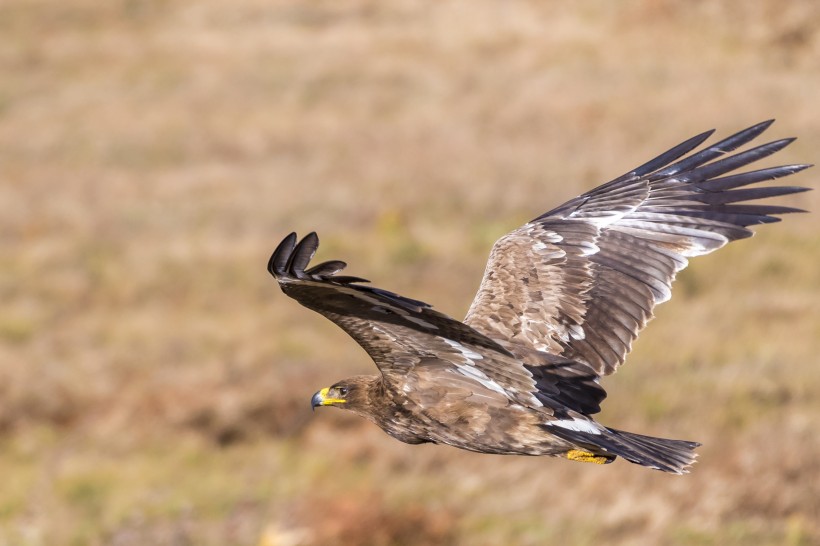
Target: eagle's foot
{"x": 587, "y": 457}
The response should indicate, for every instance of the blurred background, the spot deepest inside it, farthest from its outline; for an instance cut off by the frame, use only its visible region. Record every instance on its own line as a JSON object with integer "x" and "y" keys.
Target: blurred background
{"x": 154, "y": 381}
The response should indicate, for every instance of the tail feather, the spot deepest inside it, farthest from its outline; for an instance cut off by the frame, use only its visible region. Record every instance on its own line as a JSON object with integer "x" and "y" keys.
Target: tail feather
{"x": 673, "y": 456}
{"x": 659, "y": 453}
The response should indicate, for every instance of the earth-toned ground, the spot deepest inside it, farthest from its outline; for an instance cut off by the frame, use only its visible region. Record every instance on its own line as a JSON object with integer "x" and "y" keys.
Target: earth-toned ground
{"x": 154, "y": 381}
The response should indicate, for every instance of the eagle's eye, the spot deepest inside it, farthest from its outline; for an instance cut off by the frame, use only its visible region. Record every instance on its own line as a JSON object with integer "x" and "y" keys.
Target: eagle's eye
{"x": 342, "y": 391}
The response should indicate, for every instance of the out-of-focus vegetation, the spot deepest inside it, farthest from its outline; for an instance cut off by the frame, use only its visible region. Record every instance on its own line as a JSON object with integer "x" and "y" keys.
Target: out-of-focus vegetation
{"x": 154, "y": 382}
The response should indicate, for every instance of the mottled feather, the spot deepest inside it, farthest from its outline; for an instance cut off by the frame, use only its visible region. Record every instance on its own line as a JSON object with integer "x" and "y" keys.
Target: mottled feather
{"x": 561, "y": 301}
{"x": 600, "y": 263}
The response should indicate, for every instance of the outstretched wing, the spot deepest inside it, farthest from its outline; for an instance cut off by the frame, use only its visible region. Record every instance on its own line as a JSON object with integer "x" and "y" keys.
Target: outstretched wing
{"x": 582, "y": 280}
{"x": 398, "y": 333}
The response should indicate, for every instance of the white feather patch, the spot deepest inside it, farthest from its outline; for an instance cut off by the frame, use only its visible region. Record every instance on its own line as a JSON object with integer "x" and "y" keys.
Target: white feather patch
{"x": 576, "y": 332}
{"x": 578, "y": 425}
{"x": 470, "y": 354}
{"x": 474, "y": 373}
{"x": 588, "y": 249}
{"x": 601, "y": 219}
{"x": 383, "y": 332}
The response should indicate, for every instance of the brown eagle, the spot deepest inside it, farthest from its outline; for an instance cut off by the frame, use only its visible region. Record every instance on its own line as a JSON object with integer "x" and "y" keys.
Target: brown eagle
{"x": 562, "y": 299}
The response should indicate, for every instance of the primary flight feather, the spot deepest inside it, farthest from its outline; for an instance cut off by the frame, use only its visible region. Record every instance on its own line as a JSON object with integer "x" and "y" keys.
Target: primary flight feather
{"x": 561, "y": 301}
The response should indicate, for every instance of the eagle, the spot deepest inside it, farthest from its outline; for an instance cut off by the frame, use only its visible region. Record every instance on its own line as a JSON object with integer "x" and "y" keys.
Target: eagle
{"x": 560, "y": 303}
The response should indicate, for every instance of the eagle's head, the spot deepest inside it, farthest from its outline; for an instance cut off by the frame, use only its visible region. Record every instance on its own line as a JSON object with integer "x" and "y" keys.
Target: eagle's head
{"x": 353, "y": 393}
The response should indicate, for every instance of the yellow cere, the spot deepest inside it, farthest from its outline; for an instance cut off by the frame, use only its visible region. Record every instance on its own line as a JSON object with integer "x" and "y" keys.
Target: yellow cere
{"x": 585, "y": 457}
{"x": 328, "y": 401}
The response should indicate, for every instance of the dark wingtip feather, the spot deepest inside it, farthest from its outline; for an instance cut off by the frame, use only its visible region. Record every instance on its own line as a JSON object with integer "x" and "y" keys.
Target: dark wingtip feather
{"x": 278, "y": 261}
{"x": 291, "y": 258}
{"x": 302, "y": 254}
{"x": 746, "y": 135}
{"x": 759, "y": 127}
{"x": 731, "y": 163}
{"x": 716, "y": 150}
{"x": 750, "y": 177}
{"x": 326, "y": 269}
{"x": 672, "y": 154}
{"x": 747, "y": 194}
{"x": 346, "y": 279}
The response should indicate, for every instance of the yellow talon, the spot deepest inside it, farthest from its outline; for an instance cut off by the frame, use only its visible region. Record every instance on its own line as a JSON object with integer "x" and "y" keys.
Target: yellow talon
{"x": 586, "y": 457}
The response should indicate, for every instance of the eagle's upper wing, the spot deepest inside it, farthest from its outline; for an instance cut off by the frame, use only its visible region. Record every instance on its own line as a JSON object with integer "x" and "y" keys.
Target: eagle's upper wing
{"x": 398, "y": 333}
{"x": 582, "y": 280}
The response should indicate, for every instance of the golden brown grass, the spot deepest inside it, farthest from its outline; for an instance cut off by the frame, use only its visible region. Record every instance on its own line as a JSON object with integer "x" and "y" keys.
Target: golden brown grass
{"x": 154, "y": 382}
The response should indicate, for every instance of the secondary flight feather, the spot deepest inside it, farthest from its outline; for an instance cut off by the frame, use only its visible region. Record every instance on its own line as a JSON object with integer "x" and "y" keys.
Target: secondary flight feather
{"x": 561, "y": 301}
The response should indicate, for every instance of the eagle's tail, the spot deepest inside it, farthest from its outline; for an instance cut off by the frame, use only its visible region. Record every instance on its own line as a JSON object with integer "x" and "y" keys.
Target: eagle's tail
{"x": 660, "y": 453}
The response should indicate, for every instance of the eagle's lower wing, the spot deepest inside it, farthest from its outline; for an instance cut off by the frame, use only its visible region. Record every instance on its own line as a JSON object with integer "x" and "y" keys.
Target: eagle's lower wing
{"x": 582, "y": 280}
{"x": 398, "y": 333}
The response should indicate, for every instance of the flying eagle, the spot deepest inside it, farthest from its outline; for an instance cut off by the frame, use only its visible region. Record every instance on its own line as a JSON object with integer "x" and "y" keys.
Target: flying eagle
{"x": 562, "y": 299}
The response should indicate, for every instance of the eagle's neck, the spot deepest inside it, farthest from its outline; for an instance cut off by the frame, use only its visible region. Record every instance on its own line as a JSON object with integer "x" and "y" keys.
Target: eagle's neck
{"x": 371, "y": 397}
{"x": 388, "y": 409}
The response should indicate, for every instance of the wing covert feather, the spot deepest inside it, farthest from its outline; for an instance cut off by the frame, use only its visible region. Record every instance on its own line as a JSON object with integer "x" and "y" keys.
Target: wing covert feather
{"x": 582, "y": 280}
{"x": 400, "y": 334}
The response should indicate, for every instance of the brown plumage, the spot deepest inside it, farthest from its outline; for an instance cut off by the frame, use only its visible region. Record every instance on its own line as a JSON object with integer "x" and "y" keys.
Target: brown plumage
{"x": 562, "y": 299}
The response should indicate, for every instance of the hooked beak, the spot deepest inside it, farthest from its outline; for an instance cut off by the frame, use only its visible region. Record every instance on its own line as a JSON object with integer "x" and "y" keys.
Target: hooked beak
{"x": 318, "y": 399}
{"x": 321, "y": 399}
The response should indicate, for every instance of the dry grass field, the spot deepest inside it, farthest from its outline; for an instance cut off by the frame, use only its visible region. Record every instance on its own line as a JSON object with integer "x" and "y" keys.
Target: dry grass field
{"x": 154, "y": 381}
